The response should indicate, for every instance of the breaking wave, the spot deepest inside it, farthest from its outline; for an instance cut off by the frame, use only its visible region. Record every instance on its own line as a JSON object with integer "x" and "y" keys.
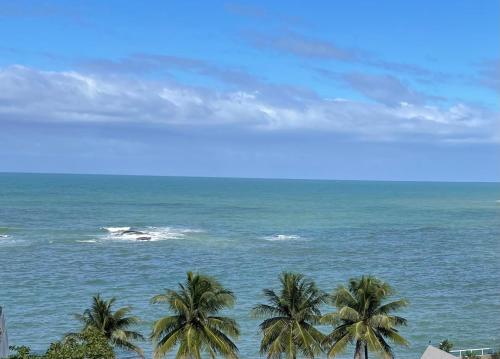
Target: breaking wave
{"x": 147, "y": 233}
{"x": 282, "y": 237}
{"x": 7, "y": 240}
{"x": 116, "y": 229}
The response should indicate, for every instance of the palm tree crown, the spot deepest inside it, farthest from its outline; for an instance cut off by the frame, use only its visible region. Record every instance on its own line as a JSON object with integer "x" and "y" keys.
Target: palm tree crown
{"x": 290, "y": 315}
{"x": 114, "y": 326}
{"x": 364, "y": 319}
{"x": 195, "y": 326}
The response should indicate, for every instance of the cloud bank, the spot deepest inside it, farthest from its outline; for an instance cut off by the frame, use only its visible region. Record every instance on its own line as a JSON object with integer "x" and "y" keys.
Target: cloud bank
{"x": 32, "y": 95}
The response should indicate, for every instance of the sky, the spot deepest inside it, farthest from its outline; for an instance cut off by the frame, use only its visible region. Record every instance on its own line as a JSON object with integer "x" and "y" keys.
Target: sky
{"x": 355, "y": 90}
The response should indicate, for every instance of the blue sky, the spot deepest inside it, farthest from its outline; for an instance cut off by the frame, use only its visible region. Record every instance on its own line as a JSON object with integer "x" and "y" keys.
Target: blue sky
{"x": 390, "y": 90}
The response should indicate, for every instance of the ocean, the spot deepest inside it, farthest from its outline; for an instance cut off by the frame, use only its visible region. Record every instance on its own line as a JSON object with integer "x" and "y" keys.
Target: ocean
{"x": 437, "y": 244}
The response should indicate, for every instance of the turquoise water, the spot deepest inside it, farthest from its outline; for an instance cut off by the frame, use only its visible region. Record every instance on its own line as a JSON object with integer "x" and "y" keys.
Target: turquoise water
{"x": 436, "y": 243}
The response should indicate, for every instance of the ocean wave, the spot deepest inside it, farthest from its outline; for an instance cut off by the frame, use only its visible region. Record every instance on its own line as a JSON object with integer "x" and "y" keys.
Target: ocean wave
{"x": 88, "y": 241}
{"x": 116, "y": 229}
{"x": 7, "y": 240}
{"x": 149, "y": 234}
{"x": 282, "y": 237}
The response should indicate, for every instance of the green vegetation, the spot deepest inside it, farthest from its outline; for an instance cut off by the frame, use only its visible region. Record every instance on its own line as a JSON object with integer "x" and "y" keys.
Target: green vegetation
{"x": 363, "y": 318}
{"x": 290, "y": 316}
{"x": 470, "y": 355}
{"x": 114, "y": 326}
{"x": 446, "y": 345}
{"x": 195, "y": 327}
{"x": 89, "y": 344}
{"x": 21, "y": 352}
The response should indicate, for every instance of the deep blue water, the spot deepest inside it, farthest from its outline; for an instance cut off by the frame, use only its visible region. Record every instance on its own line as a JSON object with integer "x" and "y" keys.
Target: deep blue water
{"x": 438, "y": 244}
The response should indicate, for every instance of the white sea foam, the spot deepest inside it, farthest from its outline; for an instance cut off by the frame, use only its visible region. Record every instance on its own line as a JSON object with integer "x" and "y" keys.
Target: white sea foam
{"x": 116, "y": 229}
{"x": 282, "y": 237}
{"x": 88, "y": 241}
{"x": 7, "y": 240}
{"x": 148, "y": 233}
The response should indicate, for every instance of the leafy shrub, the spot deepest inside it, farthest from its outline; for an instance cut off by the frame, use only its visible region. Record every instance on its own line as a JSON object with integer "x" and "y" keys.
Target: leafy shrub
{"x": 21, "y": 352}
{"x": 470, "y": 355}
{"x": 89, "y": 344}
{"x": 446, "y": 345}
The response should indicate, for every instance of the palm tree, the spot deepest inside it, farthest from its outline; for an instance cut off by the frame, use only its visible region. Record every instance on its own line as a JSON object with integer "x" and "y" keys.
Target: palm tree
{"x": 195, "y": 326}
{"x": 364, "y": 319}
{"x": 290, "y": 316}
{"x": 112, "y": 325}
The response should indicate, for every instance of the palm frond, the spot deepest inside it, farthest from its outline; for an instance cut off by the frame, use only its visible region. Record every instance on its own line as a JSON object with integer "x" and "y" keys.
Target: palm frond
{"x": 196, "y": 328}
{"x": 363, "y": 316}
{"x": 287, "y": 328}
{"x": 392, "y": 306}
{"x": 112, "y": 325}
{"x": 339, "y": 346}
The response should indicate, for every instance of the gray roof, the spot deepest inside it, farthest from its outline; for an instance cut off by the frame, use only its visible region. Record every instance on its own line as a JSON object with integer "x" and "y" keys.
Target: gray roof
{"x": 435, "y": 353}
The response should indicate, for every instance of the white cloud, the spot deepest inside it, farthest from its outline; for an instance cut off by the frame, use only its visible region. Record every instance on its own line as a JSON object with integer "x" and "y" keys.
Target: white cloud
{"x": 28, "y": 94}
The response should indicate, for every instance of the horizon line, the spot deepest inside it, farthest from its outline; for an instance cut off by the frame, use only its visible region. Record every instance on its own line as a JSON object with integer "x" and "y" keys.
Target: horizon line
{"x": 243, "y": 178}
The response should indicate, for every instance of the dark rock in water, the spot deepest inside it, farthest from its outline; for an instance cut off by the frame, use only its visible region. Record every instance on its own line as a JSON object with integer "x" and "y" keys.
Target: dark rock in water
{"x": 142, "y": 236}
{"x": 131, "y": 231}
{"x": 145, "y": 238}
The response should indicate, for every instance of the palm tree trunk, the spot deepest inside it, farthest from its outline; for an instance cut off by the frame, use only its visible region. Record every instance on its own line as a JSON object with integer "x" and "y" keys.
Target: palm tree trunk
{"x": 358, "y": 350}
{"x": 366, "y": 350}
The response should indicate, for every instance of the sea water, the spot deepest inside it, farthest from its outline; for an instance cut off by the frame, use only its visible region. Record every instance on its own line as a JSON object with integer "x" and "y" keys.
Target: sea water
{"x": 62, "y": 240}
